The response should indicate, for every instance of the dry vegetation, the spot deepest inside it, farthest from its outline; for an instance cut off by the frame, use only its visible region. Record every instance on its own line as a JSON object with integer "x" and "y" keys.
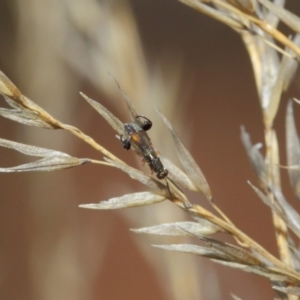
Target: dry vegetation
{"x": 274, "y": 58}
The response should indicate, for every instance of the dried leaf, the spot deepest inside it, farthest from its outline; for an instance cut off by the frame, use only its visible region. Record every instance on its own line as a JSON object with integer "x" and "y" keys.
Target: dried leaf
{"x": 286, "y": 73}
{"x": 213, "y": 13}
{"x": 295, "y": 254}
{"x": 25, "y": 111}
{"x": 291, "y": 290}
{"x": 210, "y": 252}
{"x": 189, "y": 164}
{"x": 31, "y": 150}
{"x": 292, "y": 218}
{"x": 234, "y": 297}
{"x": 264, "y": 61}
{"x": 126, "y": 201}
{"x": 25, "y": 117}
{"x": 296, "y": 100}
{"x": 152, "y": 183}
{"x": 244, "y": 5}
{"x": 283, "y": 209}
{"x": 113, "y": 121}
{"x": 12, "y": 103}
{"x": 284, "y": 15}
{"x": 290, "y": 66}
{"x": 205, "y": 223}
{"x": 29, "y": 104}
{"x": 272, "y": 274}
{"x": 272, "y": 19}
{"x": 275, "y": 207}
{"x": 255, "y": 157}
{"x": 293, "y": 150}
{"x": 53, "y": 163}
{"x": 194, "y": 249}
{"x": 220, "y": 257}
{"x": 177, "y": 175}
{"x": 268, "y": 71}
{"x": 231, "y": 252}
{"x": 175, "y": 229}
{"x": 7, "y": 87}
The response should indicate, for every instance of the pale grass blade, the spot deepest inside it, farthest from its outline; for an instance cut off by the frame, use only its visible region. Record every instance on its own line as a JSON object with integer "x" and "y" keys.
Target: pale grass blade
{"x": 286, "y": 73}
{"x": 31, "y": 150}
{"x": 255, "y": 157}
{"x": 54, "y": 163}
{"x": 126, "y": 201}
{"x": 149, "y": 181}
{"x": 193, "y": 249}
{"x": 113, "y": 121}
{"x": 291, "y": 290}
{"x": 177, "y": 175}
{"x": 175, "y": 229}
{"x": 267, "y": 272}
{"x": 189, "y": 164}
{"x": 282, "y": 208}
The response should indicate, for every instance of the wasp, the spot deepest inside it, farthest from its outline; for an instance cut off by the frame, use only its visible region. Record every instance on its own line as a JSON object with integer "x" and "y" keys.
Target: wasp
{"x": 137, "y": 137}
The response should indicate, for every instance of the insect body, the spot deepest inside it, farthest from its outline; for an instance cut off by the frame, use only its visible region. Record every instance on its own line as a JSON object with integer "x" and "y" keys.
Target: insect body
{"x": 140, "y": 141}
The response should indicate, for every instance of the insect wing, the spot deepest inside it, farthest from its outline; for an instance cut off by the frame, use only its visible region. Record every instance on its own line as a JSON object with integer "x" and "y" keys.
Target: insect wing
{"x": 142, "y": 141}
{"x": 131, "y": 108}
{"x": 137, "y": 137}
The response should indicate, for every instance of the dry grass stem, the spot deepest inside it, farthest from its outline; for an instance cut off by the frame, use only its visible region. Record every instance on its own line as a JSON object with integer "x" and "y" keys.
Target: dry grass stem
{"x": 266, "y": 264}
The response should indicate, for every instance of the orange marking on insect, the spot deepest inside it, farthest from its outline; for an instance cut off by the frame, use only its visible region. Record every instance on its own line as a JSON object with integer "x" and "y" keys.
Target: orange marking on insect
{"x": 135, "y": 138}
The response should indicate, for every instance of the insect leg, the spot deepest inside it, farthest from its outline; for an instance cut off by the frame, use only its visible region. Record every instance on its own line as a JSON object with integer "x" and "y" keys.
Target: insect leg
{"x": 125, "y": 142}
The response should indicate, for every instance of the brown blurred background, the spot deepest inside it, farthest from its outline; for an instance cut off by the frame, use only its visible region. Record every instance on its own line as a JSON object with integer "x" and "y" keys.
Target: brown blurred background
{"x": 162, "y": 53}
